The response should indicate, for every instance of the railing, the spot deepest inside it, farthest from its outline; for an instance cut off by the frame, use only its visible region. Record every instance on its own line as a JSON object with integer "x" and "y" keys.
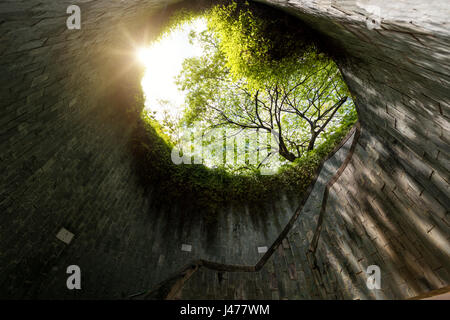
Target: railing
{"x": 169, "y": 288}
{"x": 311, "y": 253}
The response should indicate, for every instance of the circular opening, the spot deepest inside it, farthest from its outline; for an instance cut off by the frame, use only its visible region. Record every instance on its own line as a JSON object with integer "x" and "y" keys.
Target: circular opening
{"x": 238, "y": 104}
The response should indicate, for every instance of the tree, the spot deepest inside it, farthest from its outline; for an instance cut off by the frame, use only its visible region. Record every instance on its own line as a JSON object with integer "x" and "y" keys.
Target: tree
{"x": 259, "y": 43}
{"x": 299, "y": 107}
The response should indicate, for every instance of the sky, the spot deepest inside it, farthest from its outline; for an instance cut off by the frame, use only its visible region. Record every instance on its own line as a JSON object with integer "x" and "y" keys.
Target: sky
{"x": 163, "y": 61}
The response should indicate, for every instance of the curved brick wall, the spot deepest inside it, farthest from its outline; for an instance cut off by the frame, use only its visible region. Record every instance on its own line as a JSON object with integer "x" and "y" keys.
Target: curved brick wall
{"x": 65, "y": 160}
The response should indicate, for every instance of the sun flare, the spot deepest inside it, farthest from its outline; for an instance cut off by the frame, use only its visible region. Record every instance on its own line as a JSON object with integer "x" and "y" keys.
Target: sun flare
{"x": 144, "y": 55}
{"x": 163, "y": 61}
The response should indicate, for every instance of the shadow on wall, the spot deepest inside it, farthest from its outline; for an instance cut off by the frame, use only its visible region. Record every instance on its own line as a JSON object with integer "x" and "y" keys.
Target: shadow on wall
{"x": 383, "y": 221}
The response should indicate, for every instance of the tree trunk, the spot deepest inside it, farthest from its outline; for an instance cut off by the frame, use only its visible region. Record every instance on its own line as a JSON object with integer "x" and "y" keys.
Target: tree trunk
{"x": 288, "y": 155}
{"x": 284, "y": 152}
{"x": 312, "y": 141}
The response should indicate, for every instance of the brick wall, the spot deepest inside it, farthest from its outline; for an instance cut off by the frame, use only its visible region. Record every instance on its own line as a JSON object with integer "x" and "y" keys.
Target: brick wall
{"x": 65, "y": 161}
{"x": 388, "y": 208}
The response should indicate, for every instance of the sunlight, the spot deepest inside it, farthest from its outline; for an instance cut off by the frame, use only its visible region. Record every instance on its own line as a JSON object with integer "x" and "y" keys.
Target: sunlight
{"x": 200, "y": 56}
{"x": 163, "y": 61}
{"x": 144, "y": 55}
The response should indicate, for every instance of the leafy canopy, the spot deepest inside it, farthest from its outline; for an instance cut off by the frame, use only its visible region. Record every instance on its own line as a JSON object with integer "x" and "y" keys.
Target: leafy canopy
{"x": 255, "y": 73}
{"x": 302, "y": 107}
{"x": 259, "y": 44}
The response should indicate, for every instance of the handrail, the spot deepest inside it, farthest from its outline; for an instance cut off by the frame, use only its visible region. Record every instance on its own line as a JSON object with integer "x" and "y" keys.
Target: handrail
{"x": 311, "y": 253}
{"x": 174, "y": 283}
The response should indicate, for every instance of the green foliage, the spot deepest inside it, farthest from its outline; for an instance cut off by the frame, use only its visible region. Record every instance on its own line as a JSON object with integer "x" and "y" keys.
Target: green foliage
{"x": 176, "y": 19}
{"x": 303, "y": 99}
{"x": 259, "y": 44}
{"x": 202, "y": 77}
{"x": 197, "y": 186}
{"x": 252, "y": 49}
